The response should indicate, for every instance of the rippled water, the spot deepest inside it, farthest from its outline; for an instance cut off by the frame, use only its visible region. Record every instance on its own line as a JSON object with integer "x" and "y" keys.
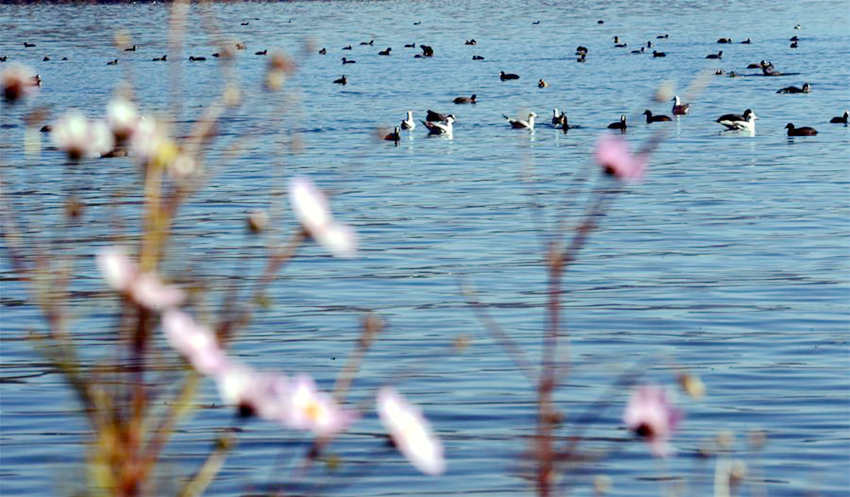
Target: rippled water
{"x": 730, "y": 259}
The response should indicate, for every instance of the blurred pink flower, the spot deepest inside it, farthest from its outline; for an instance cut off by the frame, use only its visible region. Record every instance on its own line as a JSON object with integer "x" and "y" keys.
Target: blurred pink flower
{"x": 147, "y": 290}
{"x": 195, "y": 342}
{"x": 18, "y": 81}
{"x": 312, "y": 211}
{"x": 650, "y": 415}
{"x": 410, "y": 432}
{"x": 612, "y": 153}
{"x": 313, "y": 410}
{"x": 79, "y": 137}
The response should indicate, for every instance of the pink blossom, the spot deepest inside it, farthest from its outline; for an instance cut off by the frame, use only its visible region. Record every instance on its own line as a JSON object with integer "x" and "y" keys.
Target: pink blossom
{"x": 410, "y": 432}
{"x": 612, "y": 153}
{"x": 18, "y": 81}
{"x": 195, "y": 342}
{"x": 313, "y": 410}
{"x": 650, "y": 414}
{"x": 147, "y": 289}
{"x": 313, "y": 212}
{"x": 79, "y": 137}
{"x": 122, "y": 117}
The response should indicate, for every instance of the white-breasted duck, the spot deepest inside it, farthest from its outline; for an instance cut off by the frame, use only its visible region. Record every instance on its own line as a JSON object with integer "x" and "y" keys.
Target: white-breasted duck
{"x": 465, "y": 100}
{"x": 680, "y": 109}
{"x": 718, "y": 55}
{"x": 655, "y": 119}
{"x": 542, "y": 84}
{"x": 341, "y": 81}
{"x": 470, "y": 42}
{"x": 506, "y": 76}
{"x": 617, "y": 43}
{"x": 521, "y": 123}
{"x": 408, "y": 122}
{"x": 842, "y": 119}
{"x": 745, "y": 121}
{"x": 804, "y": 131}
{"x": 581, "y": 58}
{"x": 558, "y": 117}
{"x": 435, "y": 128}
{"x": 793, "y": 89}
{"x": 621, "y": 124}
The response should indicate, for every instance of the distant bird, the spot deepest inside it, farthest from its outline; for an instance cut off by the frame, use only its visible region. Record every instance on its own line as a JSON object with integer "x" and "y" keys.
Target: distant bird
{"x": 45, "y": 59}
{"x": 323, "y": 51}
{"x": 794, "y": 38}
{"x": 130, "y": 49}
{"x": 347, "y": 47}
{"x": 385, "y": 52}
{"x": 112, "y": 62}
{"x": 542, "y": 84}
{"x": 648, "y": 44}
{"x": 661, "y": 37}
{"x": 427, "y": 51}
{"x": 465, "y": 100}
{"x": 477, "y": 57}
{"x": 768, "y": 70}
{"x": 793, "y": 44}
{"x": 408, "y": 123}
{"x": 639, "y": 51}
{"x": 28, "y": 44}
{"x": 3, "y": 58}
{"x": 724, "y": 40}
{"x": 341, "y": 81}
{"x": 417, "y": 23}
{"x": 435, "y": 116}
{"x": 804, "y": 131}
{"x": 435, "y": 128}
{"x": 753, "y": 66}
{"x": 35, "y": 80}
{"x": 46, "y": 128}
{"x": 796, "y": 26}
{"x": 656, "y": 53}
{"x": 601, "y": 21}
{"x": 718, "y": 55}
{"x": 680, "y": 109}
{"x": 536, "y": 22}
{"x": 216, "y": 55}
{"x": 160, "y": 59}
{"x": 747, "y": 121}
{"x": 347, "y": 61}
{"x": 655, "y": 119}
{"x": 581, "y": 50}
{"x": 581, "y": 58}
{"x": 794, "y": 89}
{"x": 840, "y": 119}
{"x": 395, "y": 136}
{"x": 522, "y": 124}
{"x": 410, "y": 45}
{"x": 196, "y": 59}
{"x": 244, "y": 23}
{"x": 558, "y": 118}
{"x": 470, "y": 42}
{"x": 370, "y": 42}
{"x": 262, "y": 52}
{"x": 621, "y": 124}
{"x": 746, "y": 42}
{"x": 506, "y": 76}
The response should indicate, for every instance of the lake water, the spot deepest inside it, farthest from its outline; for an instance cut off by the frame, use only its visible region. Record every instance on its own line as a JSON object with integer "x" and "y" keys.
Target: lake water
{"x": 730, "y": 259}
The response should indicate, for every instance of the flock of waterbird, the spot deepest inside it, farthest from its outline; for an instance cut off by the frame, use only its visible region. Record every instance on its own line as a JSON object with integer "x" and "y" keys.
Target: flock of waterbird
{"x": 440, "y": 124}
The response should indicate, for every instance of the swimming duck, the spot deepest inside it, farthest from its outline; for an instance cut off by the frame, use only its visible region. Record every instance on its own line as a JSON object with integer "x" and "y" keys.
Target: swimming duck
{"x": 347, "y": 47}
{"x": 262, "y": 52}
{"x": 794, "y": 38}
{"x": 347, "y": 61}
{"x": 435, "y": 128}
{"x": 718, "y": 55}
{"x": 522, "y": 124}
{"x": 427, "y": 50}
{"x": 130, "y": 49}
{"x": 680, "y": 109}
{"x": 724, "y": 40}
{"x": 395, "y": 136}
{"x": 341, "y": 81}
{"x": 196, "y": 59}
{"x": 470, "y": 42}
{"x": 840, "y": 119}
{"x": 768, "y": 70}
{"x": 477, "y": 57}
{"x": 804, "y": 131}
{"x": 465, "y": 100}
{"x": 323, "y": 51}
{"x": 45, "y": 59}
{"x": 581, "y": 50}
{"x": 385, "y": 52}
{"x": 617, "y": 43}
{"x": 746, "y": 42}
{"x": 660, "y": 37}
{"x": 794, "y": 89}
{"x": 753, "y": 66}
{"x": 112, "y": 62}
{"x": 793, "y": 44}
{"x": 747, "y": 121}
{"x": 642, "y": 50}
{"x": 408, "y": 123}
{"x": 655, "y": 119}
{"x": 658, "y": 54}
{"x": 410, "y": 45}
{"x": 558, "y": 118}
{"x": 621, "y": 124}
{"x": 28, "y": 44}
{"x": 542, "y": 84}
{"x": 435, "y": 116}
{"x": 581, "y": 57}
{"x": 160, "y": 59}
{"x": 506, "y": 76}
